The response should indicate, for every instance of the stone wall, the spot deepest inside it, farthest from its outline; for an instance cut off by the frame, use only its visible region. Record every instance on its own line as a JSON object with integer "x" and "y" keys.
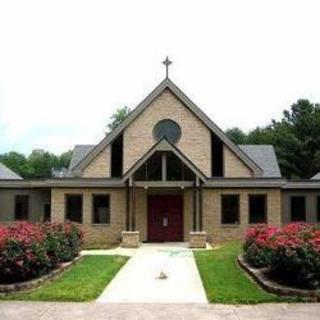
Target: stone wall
{"x": 95, "y": 235}
{"x": 233, "y": 166}
{"x": 218, "y": 232}
{"x": 100, "y": 166}
{"x": 99, "y": 235}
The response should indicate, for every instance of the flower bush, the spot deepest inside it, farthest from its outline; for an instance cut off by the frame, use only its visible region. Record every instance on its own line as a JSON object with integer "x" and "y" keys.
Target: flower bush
{"x": 292, "y": 253}
{"x": 29, "y": 250}
{"x": 257, "y": 251}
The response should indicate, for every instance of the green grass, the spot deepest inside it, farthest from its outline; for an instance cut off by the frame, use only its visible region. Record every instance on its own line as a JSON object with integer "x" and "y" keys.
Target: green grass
{"x": 225, "y": 282}
{"x": 83, "y": 282}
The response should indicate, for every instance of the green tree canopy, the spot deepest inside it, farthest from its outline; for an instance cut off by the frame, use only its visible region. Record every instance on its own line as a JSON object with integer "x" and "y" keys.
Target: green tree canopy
{"x": 37, "y": 165}
{"x": 296, "y": 139}
{"x": 236, "y": 135}
{"x": 119, "y": 115}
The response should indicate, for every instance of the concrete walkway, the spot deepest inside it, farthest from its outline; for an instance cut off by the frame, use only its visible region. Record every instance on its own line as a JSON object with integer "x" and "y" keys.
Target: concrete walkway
{"x": 138, "y": 281}
{"x": 98, "y": 311}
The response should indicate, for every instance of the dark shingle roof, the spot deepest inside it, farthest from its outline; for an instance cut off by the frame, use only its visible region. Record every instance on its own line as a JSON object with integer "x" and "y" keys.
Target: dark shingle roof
{"x": 79, "y": 152}
{"x": 265, "y": 157}
{"x": 7, "y": 174}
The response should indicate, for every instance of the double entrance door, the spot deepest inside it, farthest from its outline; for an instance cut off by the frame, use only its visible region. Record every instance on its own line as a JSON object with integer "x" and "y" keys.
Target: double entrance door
{"x": 165, "y": 218}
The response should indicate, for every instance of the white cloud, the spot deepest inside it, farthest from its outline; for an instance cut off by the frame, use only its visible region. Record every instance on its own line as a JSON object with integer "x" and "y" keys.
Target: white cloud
{"x": 65, "y": 66}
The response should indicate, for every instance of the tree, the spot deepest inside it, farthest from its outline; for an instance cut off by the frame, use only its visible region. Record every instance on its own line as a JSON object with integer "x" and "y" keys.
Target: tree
{"x": 15, "y": 161}
{"x": 296, "y": 139}
{"x": 236, "y": 135}
{"x": 117, "y": 118}
{"x": 64, "y": 159}
{"x": 37, "y": 165}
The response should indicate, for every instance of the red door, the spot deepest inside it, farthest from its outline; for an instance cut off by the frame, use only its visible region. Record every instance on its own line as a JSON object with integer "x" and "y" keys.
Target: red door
{"x": 165, "y": 222}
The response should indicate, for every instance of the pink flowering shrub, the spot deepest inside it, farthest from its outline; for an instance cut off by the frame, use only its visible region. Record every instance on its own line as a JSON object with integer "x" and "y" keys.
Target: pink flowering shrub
{"x": 29, "y": 250}
{"x": 292, "y": 253}
{"x": 257, "y": 251}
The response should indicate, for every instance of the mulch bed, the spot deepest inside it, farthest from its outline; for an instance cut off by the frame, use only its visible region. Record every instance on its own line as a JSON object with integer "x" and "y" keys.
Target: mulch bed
{"x": 33, "y": 284}
{"x": 262, "y": 277}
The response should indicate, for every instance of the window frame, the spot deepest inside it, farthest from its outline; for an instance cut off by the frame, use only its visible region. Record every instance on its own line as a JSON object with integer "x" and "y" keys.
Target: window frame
{"x": 93, "y": 196}
{"x": 66, "y": 206}
{"x": 265, "y": 217}
{"x": 27, "y": 196}
{"x": 305, "y": 208}
{"x": 223, "y": 196}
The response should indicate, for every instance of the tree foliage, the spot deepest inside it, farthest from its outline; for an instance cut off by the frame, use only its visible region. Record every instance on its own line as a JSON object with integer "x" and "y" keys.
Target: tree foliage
{"x": 37, "y": 165}
{"x": 296, "y": 139}
{"x": 118, "y": 117}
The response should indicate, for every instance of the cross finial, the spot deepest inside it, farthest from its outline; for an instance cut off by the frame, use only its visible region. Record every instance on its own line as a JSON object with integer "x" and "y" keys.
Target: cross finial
{"x": 167, "y": 63}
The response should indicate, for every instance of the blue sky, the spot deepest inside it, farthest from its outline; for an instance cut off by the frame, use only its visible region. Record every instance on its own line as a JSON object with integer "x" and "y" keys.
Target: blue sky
{"x": 65, "y": 66}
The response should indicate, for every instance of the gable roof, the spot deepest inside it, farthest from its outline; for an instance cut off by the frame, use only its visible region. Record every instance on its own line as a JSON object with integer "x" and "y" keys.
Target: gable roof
{"x": 8, "y": 174}
{"x": 265, "y": 157}
{"x": 80, "y": 152}
{"x": 316, "y": 176}
{"x": 164, "y": 145}
{"x": 168, "y": 84}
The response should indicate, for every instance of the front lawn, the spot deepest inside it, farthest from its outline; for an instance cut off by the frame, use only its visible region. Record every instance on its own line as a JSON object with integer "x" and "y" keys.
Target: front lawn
{"x": 224, "y": 281}
{"x": 83, "y": 282}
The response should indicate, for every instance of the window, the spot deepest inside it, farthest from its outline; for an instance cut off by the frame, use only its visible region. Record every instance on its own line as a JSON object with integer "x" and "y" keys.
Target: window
{"x": 151, "y": 169}
{"x": 101, "y": 208}
{"x": 177, "y": 170}
{"x": 318, "y": 209}
{"x": 298, "y": 208}
{"x": 117, "y": 157}
{"x": 21, "y": 207}
{"x": 74, "y": 208}
{"x": 230, "y": 209}
{"x": 257, "y": 208}
{"x": 47, "y": 212}
{"x": 216, "y": 156}
{"x": 168, "y": 129}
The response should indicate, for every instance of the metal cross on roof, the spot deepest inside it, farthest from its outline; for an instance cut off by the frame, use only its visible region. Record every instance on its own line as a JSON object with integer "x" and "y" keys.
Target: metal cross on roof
{"x": 167, "y": 63}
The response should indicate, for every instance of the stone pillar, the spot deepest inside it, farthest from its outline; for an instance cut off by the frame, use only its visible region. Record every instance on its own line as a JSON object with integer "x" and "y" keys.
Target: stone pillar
{"x": 198, "y": 239}
{"x": 130, "y": 239}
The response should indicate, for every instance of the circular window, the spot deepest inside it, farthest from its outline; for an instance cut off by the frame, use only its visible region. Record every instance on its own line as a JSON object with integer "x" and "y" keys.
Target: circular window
{"x": 168, "y": 129}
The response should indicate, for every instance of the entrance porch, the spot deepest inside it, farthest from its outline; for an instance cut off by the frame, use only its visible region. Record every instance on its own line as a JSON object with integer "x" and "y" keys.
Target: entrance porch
{"x": 164, "y": 214}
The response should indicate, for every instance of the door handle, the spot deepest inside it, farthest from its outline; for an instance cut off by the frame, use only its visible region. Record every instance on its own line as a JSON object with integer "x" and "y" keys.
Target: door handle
{"x": 165, "y": 221}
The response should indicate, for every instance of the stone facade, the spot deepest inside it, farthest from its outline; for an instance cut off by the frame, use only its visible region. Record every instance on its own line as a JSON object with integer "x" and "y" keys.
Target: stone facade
{"x": 95, "y": 235}
{"x": 99, "y": 167}
{"x": 233, "y": 166}
{"x": 130, "y": 239}
{"x": 195, "y": 141}
{"x": 198, "y": 239}
{"x": 217, "y": 232}
{"x": 101, "y": 235}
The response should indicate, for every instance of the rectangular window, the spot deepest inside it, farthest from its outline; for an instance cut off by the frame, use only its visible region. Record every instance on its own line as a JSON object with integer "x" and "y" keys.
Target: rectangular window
{"x": 216, "y": 156}
{"x": 21, "y": 207}
{"x": 47, "y": 212}
{"x": 298, "y": 208}
{"x": 230, "y": 209}
{"x": 117, "y": 157}
{"x": 318, "y": 209}
{"x": 74, "y": 208}
{"x": 257, "y": 208}
{"x": 101, "y": 208}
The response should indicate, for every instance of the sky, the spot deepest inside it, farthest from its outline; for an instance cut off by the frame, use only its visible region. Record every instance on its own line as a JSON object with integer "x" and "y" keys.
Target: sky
{"x": 66, "y": 66}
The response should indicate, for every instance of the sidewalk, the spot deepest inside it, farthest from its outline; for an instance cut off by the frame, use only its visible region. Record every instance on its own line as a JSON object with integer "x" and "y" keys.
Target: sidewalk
{"x": 138, "y": 281}
{"x": 98, "y": 311}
